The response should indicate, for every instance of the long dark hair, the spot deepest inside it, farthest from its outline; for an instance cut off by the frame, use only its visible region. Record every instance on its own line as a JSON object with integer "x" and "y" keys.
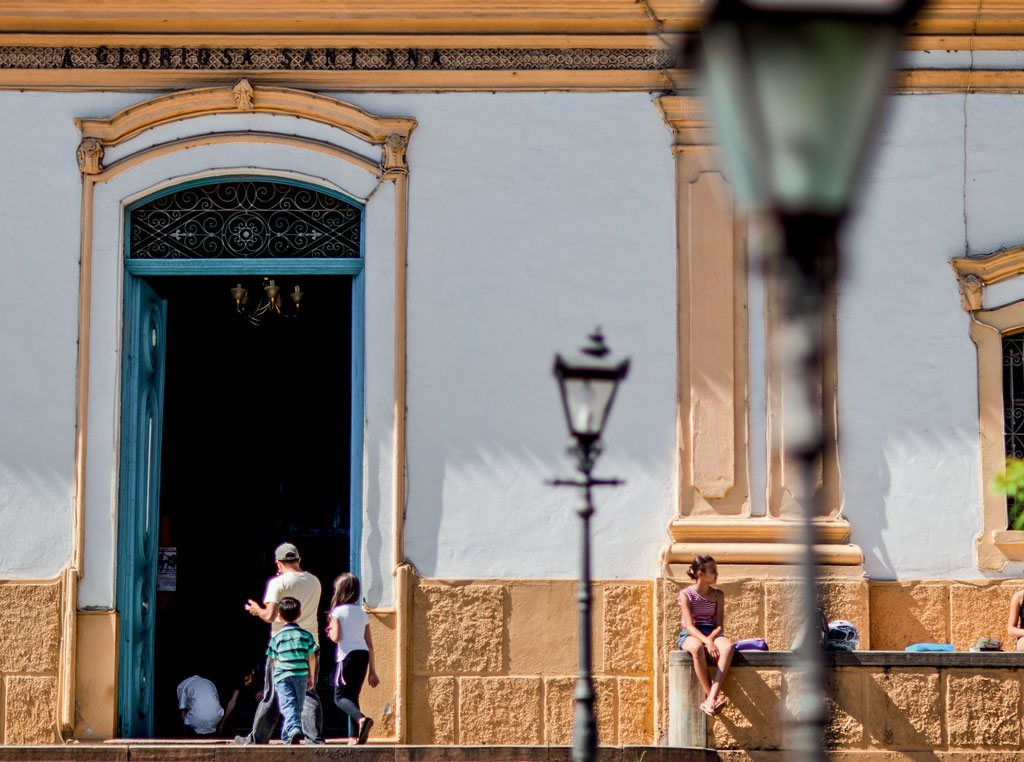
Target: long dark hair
{"x": 700, "y": 563}
{"x": 346, "y": 590}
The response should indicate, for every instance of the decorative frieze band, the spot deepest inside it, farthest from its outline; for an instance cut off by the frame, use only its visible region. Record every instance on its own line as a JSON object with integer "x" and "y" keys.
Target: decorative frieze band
{"x": 158, "y": 58}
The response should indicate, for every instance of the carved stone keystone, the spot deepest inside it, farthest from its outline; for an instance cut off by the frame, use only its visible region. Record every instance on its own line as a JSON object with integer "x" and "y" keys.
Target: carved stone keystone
{"x": 243, "y": 93}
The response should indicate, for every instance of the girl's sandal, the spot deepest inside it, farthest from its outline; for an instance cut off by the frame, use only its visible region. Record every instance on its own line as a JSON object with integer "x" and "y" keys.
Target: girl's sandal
{"x": 708, "y": 710}
{"x": 719, "y": 702}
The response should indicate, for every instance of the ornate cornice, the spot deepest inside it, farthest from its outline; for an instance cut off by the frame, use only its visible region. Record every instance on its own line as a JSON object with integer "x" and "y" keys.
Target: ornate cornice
{"x": 991, "y": 268}
{"x": 974, "y": 273}
{"x": 420, "y": 44}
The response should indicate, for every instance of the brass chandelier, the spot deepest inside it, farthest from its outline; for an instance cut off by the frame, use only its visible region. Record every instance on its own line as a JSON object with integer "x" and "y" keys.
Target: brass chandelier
{"x": 270, "y": 305}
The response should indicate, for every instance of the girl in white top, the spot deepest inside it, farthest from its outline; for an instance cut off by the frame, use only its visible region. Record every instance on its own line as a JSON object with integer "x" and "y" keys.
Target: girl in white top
{"x": 349, "y": 626}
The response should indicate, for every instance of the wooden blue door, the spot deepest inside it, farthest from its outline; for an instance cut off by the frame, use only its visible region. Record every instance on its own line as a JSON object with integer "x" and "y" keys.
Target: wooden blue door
{"x": 142, "y": 398}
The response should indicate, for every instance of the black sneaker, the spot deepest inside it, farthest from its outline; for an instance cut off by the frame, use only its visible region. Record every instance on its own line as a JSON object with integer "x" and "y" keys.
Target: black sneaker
{"x": 295, "y": 740}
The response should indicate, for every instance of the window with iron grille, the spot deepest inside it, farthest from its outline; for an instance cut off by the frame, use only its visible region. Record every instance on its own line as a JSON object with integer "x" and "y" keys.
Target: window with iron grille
{"x": 1013, "y": 397}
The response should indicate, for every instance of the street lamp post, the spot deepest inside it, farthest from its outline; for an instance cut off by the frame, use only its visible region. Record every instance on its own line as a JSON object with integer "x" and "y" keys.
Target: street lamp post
{"x": 794, "y": 90}
{"x": 587, "y": 384}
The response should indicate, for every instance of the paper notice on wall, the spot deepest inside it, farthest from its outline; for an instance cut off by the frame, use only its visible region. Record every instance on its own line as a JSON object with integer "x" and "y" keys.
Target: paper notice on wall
{"x": 167, "y": 569}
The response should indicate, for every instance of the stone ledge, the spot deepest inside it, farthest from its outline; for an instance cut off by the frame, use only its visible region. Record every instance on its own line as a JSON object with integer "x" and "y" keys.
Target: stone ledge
{"x": 968, "y": 659}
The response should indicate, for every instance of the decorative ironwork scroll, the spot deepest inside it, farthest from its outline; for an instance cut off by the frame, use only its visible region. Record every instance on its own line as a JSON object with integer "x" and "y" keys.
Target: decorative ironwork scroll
{"x": 245, "y": 220}
{"x": 1013, "y": 394}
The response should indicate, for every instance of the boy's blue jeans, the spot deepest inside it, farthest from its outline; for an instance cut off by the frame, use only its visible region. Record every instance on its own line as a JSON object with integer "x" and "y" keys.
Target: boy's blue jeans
{"x": 267, "y": 713}
{"x": 291, "y": 691}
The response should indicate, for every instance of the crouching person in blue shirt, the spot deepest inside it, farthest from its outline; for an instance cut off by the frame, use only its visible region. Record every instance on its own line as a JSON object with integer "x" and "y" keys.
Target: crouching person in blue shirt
{"x": 292, "y": 652}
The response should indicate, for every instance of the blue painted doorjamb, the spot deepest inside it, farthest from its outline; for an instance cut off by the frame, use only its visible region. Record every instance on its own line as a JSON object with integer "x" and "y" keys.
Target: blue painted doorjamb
{"x": 355, "y": 518}
{"x": 142, "y": 393}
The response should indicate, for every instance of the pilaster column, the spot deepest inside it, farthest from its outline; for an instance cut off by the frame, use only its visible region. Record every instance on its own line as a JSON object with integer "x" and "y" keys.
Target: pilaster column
{"x": 713, "y": 513}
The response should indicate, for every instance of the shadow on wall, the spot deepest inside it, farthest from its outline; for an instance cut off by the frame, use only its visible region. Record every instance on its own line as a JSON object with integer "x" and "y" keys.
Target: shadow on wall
{"x": 466, "y": 503}
{"x": 37, "y": 519}
{"x": 912, "y": 483}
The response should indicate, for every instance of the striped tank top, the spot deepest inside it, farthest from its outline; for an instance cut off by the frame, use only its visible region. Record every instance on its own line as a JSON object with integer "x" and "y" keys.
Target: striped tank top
{"x": 702, "y": 610}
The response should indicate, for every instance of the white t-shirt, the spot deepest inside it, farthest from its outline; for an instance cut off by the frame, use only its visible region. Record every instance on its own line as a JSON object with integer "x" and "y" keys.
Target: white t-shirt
{"x": 198, "y": 696}
{"x": 352, "y": 622}
{"x": 303, "y": 586}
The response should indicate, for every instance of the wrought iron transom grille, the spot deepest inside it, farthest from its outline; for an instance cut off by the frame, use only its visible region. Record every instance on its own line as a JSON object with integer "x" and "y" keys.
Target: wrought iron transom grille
{"x": 245, "y": 220}
{"x": 1013, "y": 394}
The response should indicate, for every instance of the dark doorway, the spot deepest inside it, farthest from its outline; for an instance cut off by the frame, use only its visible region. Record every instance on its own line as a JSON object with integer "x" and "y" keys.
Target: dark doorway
{"x": 256, "y": 442}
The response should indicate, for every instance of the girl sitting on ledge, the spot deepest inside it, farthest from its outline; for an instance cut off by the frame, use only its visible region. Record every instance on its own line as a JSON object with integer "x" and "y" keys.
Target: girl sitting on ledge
{"x": 703, "y": 615}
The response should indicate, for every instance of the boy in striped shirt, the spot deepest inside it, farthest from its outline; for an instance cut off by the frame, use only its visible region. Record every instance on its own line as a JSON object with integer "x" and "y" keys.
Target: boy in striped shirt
{"x": 292, "y": 650}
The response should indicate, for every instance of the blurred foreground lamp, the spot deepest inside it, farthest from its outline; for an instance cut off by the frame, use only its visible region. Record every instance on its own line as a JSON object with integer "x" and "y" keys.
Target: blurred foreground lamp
{"x": 794, "y": 88}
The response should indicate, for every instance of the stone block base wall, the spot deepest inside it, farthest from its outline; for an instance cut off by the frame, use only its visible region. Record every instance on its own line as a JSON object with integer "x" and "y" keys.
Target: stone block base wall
{"x": 495, "y": 662}
{"x": 888, "y": 704}
{"x": 29, "y": 652}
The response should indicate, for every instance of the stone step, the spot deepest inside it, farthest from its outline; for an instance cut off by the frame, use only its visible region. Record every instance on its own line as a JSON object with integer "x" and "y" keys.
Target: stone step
{"x": 226, "y": 751}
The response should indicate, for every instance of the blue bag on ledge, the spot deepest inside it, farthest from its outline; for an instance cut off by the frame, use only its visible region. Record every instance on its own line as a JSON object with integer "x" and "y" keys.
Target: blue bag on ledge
{"x": 930, "y": 647}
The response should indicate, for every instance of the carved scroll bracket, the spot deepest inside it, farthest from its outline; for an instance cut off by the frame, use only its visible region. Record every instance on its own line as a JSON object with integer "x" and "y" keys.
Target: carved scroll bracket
{"x": 90, "y": 156}
{"x": 971, "y": 287}
{"x": 393, "y": 155}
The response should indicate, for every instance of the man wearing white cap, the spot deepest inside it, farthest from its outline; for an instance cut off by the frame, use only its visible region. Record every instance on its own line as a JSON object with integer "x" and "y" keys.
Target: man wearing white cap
{"x": 290, "y": 581}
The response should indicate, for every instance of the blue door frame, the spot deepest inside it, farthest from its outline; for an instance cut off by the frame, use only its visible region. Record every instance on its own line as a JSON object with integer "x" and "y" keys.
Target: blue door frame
{"x": 136, "y": 554}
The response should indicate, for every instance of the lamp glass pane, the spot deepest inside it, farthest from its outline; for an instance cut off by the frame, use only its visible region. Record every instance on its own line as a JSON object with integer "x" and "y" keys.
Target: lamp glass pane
{"x": 818, "y": 84}
{"x": 793, "y": 98}
{"x": 728, "y": 88}
{"x": 587, "y": 401}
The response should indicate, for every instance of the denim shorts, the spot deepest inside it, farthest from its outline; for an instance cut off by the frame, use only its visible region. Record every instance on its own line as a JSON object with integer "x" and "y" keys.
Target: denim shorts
{"x": 705, "y": 629}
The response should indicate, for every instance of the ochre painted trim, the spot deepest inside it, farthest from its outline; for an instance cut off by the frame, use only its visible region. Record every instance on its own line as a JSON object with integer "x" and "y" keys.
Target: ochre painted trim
{"x": 391, "y": 81}
{"x": 755, "y": 530}
{"x": 224, "y": 100}
{"x": 995, "y": 544}
{"x": 711, "y": 324}
{"x": 399, "y": 444}
{"x": 991, "y": 268}
{"x": 419, "y": 41}
{"x": 959, "y": 81}
{"x": 391, "y": 133}
{"x": 219, "y": 138}
{"x": 403, "y": 577}
{"x": 923, "y": 81}
{"x": 721, "y": 517}
{"x": 96, "y": 672}
{"x": 763, "y": 553}
{"x": 501, "y": 20}
{"x": 67, "y": 657}
{"x": 387, "y": 40}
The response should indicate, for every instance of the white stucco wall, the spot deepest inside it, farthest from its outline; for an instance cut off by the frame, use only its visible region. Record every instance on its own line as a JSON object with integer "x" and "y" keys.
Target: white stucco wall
{"x": 534, "y": 217}
{"x": 907, "y": 367}
{"x": 532, "y": 221}
{"x": 40, "y": 209}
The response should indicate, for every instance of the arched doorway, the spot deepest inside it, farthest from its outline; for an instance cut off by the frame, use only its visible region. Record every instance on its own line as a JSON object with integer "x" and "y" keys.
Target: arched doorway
{"x": 238, "y": 431}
